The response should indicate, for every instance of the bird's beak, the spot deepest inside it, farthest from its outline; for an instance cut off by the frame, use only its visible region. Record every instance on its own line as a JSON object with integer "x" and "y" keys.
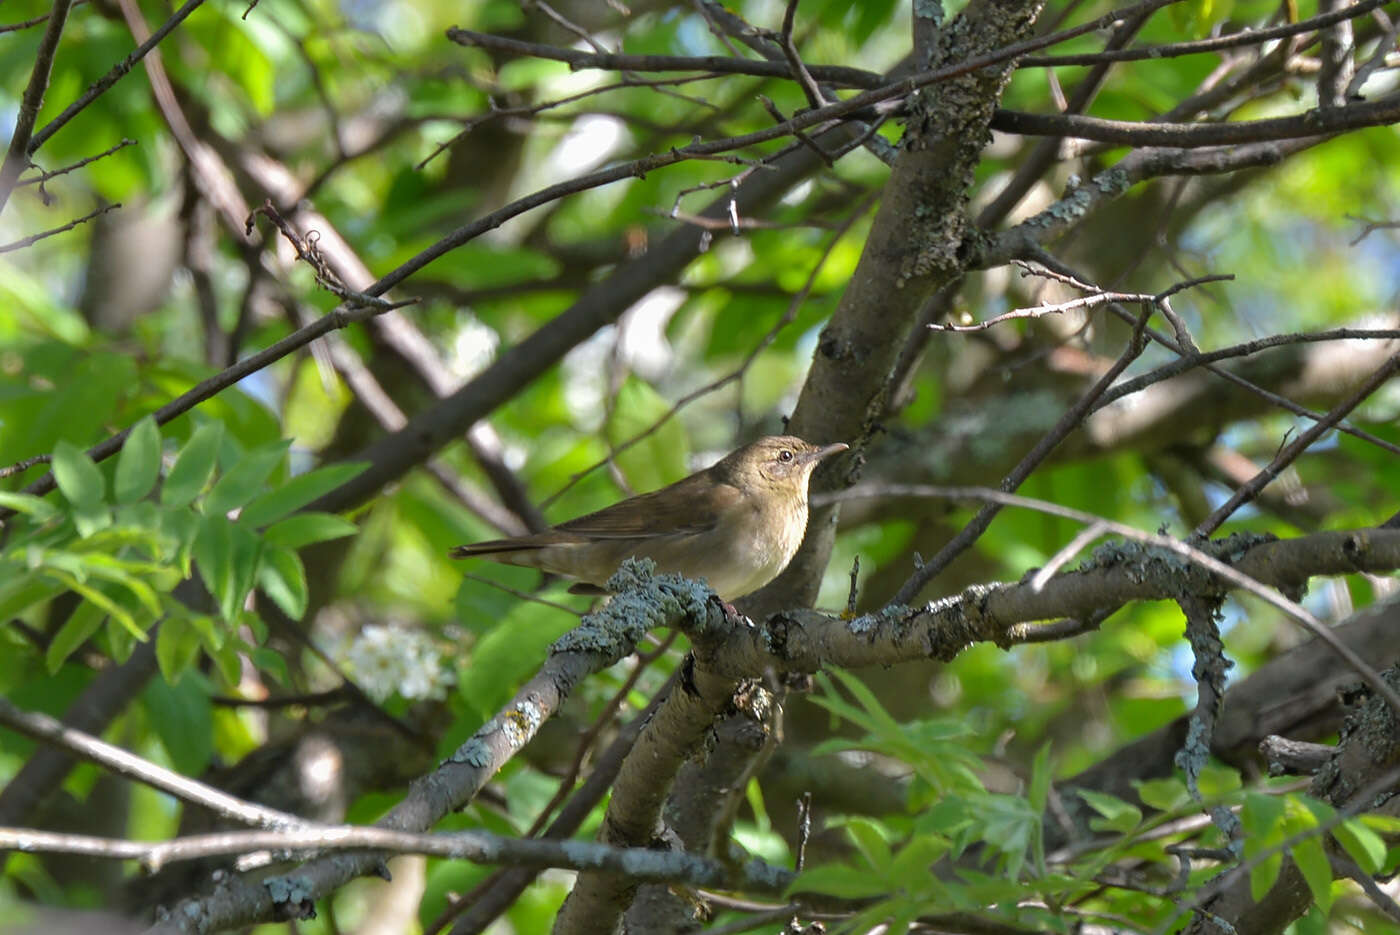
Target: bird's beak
{"x": 821, "y": 453}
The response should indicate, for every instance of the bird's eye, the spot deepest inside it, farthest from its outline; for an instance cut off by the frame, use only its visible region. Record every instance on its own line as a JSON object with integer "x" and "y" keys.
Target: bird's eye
{"x": 785, "y": 455}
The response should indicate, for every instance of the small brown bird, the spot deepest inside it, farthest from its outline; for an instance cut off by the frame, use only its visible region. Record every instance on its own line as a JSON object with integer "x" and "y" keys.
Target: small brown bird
{"x": 736, "y": 524}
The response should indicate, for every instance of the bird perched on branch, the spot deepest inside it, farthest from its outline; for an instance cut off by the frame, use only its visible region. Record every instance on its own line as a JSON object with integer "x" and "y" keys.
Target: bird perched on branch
{"x": 736, "y": 524}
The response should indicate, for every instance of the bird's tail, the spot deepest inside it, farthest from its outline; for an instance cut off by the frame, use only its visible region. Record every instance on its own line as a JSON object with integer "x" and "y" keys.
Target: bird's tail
{"x": 494, "y": 547}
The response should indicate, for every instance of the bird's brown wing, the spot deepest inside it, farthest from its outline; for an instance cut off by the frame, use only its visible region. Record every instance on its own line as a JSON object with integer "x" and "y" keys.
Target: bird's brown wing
{"x": 688, "y": 506}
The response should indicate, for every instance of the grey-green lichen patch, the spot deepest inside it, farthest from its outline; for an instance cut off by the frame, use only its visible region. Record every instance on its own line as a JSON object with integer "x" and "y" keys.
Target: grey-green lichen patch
{"x": 475, "y": 753}
{"x": 519, "y": 723}
{"x": 929, "y": 10}
{"x": 1078, "y": 201}
{"x": 958, "y": 621}
{"x": 642, "y": 601}
{"x": 515, "y": 725}
{"x": 1112, "y": 182}
{"x": 868, "y": 624}
{"x": 293, "y": 895}
{"x": 1143, "y": 563}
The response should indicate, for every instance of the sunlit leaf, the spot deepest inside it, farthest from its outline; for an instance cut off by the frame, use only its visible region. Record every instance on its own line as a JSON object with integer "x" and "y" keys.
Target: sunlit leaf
{"x": 297, "y": 493}
{"x": 79, "y": 479}
{"x": 245, "y": 479}
{"x": 192, "y": 467}
{"x": 138, "y": 465}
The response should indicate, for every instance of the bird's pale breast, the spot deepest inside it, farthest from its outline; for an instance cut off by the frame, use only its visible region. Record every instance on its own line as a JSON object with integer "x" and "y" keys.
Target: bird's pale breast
{"x": 739, "y": 555}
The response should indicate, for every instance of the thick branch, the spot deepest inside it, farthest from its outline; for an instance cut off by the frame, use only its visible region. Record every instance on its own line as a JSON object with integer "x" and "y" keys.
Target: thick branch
{"x": 643, "y": 602}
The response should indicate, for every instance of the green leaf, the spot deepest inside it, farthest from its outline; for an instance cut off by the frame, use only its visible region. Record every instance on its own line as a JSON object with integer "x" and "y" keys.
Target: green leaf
{"x": 193, "y": 466}
{"x": 911, "y": 867}
{"x": 28, "y": 504}
{"x": 306, "y": 528}
{"x": 1362, "y": 844}
{"x": 270, "y": 662}
{"x": 283, "y": 578}
{"x": 177, "y": 647}
{"x": 1261, "y": 816}
{"x": 228, "y": 662}
{"x": 1312, "y": 862}
{"x": 508, "y": 654}
{"x": 211, "y": 634}
{"x": 869, "y": 838}
{"x": 91, "y": 518}
{"x": 1165, "y": 795}
{"x": 213, "y": 557}
{"x": 661, "y": 457}
{"x": 78, "y": 477}
{"x": 18, "y": 594}
{"x": 1117, "y": 814}
{"x": 120, "y": 643}
{"x": 181, "y": 528}
{"x": 840, "y": 880}
{"x": 81, "y": 624}
{"x": 245, "y": 480}
{"x": 1263, "y": 874}
{"x": 181, "y": 717}
{"x": 247, "y": 549}
{"x": 1382, "y": 824}
{"x": 298, "y": 492}
{"x": 1039, "y": 791}
{"x": 117, "y": 612}
{"x": 138, "y": 466}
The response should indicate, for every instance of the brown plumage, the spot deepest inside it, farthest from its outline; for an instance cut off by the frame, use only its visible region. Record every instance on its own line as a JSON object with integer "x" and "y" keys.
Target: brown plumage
{"x": 736, "y": 524}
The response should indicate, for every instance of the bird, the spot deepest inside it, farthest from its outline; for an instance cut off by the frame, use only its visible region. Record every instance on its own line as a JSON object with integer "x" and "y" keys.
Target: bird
{"x": 736, "y": 524}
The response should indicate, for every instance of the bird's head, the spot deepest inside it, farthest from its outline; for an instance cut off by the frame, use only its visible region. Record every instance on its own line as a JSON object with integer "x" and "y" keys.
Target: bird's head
{"x": 778, "y": 462}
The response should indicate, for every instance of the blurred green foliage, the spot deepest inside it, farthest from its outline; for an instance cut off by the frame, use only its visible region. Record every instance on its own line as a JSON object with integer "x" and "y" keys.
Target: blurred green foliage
{"x": 367, "y": 93}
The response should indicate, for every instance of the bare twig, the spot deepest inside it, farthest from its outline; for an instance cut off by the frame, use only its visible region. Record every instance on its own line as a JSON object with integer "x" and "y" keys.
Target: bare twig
{"x": 1194, "y": 555}
{"x": 476, "y": 846}
{"x": 21, "y": 141}
{"x": 112, "y": 77}
{"x": 35, "y": 21}
{"x": 1293, "y": 449}
{"x": 1070, "y": 549}
{"x": 1236, "y": 40}
{"x": 800, "y": 74}
{"x": 738, "y": 373}
{"x": 84, "y": 746}
{"x": 35, "y": 238}
{"x": 45, "y": 176}
{"x": 308, "y": 252}
{"x": 1066, "y": 424}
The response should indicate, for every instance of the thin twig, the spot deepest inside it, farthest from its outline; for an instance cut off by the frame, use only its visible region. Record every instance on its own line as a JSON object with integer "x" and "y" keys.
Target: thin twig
{"x": 35, "y": 238}
{"x": 800, "y": 74}
{"x": 25, "y": 24}
{"x": 1192, "y": 554}
{"x": 84, "y": 746}
{"x": 477, "y": 846}
{"x": 45, "y": 176}
{"x": 1235, "y": 40}
{"x": 113, "y": 76}
{"x": 22, "y": 141}
{"x": 737, "y": 374}
{"x": 1290, "y": 452}
{"x": 1066, "y": 424}
{"x": 1070, "y": 549}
